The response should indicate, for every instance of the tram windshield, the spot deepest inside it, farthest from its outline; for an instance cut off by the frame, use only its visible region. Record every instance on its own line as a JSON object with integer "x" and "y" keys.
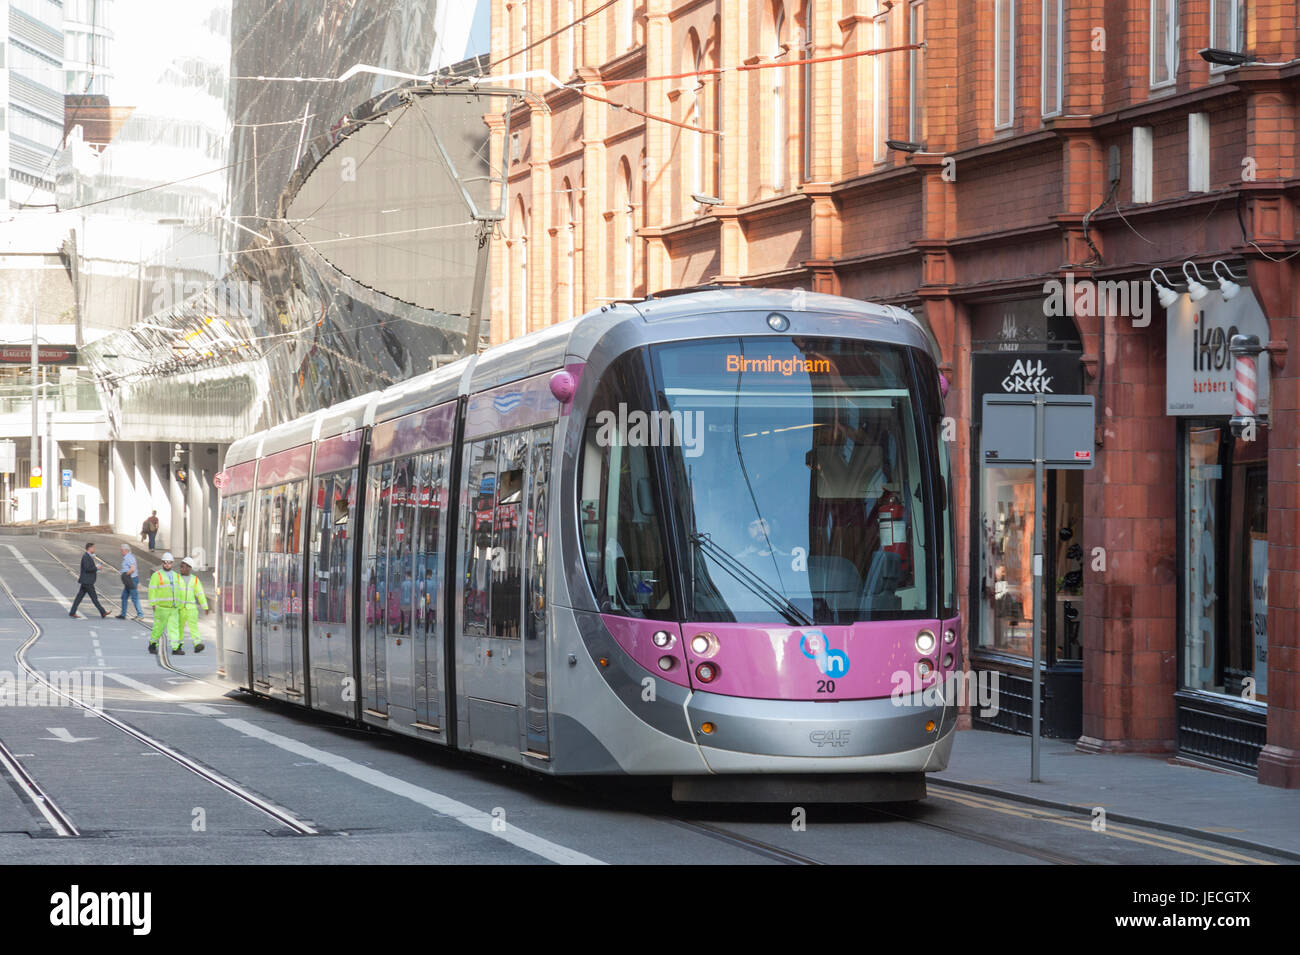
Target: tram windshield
{"x": 797, "y": 479}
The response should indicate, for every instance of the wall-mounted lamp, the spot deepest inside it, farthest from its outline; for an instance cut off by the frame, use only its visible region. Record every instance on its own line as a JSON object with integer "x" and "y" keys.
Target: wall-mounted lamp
{"x": 1166, "y": 293}
{"x": 1227, "y": 286}
{"x": 1196, "y": 288}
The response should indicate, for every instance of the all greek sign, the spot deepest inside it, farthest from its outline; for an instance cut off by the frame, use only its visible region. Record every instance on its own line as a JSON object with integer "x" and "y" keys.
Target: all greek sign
{"x": 1024, "y": 373}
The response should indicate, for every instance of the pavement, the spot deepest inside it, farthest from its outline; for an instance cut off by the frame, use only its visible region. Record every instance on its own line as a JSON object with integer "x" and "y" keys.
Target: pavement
{"x": 1156, "y": 791}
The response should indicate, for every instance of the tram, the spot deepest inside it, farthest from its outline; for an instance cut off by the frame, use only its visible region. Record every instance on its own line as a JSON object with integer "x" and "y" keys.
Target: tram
{"x": 706, "y": 537}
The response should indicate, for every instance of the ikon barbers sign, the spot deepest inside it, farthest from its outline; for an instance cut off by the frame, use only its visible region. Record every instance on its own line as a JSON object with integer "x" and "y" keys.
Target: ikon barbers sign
{"x": 1199, "y": 374}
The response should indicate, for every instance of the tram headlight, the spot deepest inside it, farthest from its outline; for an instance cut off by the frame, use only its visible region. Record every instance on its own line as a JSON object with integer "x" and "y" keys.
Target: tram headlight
{"x": 662, "y": 638}
{"x": 777, "y": 322}
{"x": 949, "y": 636}
{"x": 706, "y": 672}
{"x": 947, "y": 661}
{"x": 703, "y": 644}
{"x": 924, "y": 669}
{"x": 667, "y": 663}
{"x": 925, "y": 642}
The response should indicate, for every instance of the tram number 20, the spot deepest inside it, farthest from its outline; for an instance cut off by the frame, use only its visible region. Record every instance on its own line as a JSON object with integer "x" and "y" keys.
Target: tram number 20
{"x": 825, "y": 686}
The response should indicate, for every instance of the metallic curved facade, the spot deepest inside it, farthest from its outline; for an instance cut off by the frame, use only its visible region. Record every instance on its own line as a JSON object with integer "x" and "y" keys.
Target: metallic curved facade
{"x": 337, "y": 250}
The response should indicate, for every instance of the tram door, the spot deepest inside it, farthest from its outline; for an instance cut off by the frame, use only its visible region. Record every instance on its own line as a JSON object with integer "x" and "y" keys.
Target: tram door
{"x": 536, "y": 724}
{"x": 502, "y": 630}
{"x": 402, "y": 647}
{"x": 277, "y": 637}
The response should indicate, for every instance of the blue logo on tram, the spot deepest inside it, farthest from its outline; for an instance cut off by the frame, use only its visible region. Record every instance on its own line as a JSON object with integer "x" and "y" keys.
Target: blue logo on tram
{"x": 816, "y": 646}
{"x": 504, "y": 404}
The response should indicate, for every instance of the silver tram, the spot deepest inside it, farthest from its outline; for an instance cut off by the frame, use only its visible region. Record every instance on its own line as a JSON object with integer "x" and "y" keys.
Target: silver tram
{"x": 706, "y": 537}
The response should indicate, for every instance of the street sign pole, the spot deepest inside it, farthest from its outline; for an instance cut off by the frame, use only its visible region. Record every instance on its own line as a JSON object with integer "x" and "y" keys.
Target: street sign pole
{"x": 1039, "y": 529}
{"x": 1015, "y": 434}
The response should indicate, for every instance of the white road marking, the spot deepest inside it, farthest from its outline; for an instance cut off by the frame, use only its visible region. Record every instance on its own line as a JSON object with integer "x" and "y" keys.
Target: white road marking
{"x": 142, "y": 687}
{"x": 203, "y": 709}
{"x": 40, "y": 578}
{"x": 444, "y": 805}
{"x": 62, "y": 735}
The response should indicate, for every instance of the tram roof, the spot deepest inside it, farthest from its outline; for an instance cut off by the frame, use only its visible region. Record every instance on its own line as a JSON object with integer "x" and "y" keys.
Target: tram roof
{"x": 573, "y": 340}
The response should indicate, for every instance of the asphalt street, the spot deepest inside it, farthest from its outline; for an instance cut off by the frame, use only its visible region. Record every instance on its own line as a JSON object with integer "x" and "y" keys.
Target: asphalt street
{"x": 191, "y": 771}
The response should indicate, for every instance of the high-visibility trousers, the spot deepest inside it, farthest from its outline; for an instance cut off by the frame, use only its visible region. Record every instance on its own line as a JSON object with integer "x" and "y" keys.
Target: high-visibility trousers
{"x": 164, "y": 618}
{"x": 188, "y": 617}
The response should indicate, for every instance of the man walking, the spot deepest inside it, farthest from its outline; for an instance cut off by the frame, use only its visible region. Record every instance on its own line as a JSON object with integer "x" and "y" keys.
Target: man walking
{"x": 86, "y": 582}
{"x": 189, "y": 597}
{"x": 162, "y": 598}
{"x": 130, "y": 582}
{"x": 149, "y": 529}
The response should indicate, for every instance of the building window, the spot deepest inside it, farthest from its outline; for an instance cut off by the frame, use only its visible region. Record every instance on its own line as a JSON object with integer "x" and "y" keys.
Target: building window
{"x": 1225, "y": 639}
{"x": 916, "y": 74}
{"x": 570, "y": 253}
{"x": 880, "y": 83}
{"x": 571, "y": 41}
{"x": 1164, "y": 42}
{"x": 1004, "y": 63}
{"x": 1227, "y": 28}
{"x": 1053, "y": 56}
{"x": 623, "y": 213}
{"x": 778, "y": 99}
{"x": 696, "y": 116}
{"x": 626, "y": 24}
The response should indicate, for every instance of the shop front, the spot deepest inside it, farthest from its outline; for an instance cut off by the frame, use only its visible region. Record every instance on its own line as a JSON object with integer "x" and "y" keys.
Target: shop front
{"x": 1017, "y": 348}
{"x": 1222, "y": 695}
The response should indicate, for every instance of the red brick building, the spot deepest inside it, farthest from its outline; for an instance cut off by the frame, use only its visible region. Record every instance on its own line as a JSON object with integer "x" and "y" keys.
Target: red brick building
{"x": 1025, "y": 143}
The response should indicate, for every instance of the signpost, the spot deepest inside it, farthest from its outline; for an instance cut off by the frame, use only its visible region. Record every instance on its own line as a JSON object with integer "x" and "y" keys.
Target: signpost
{"x": 67, "y": 498}
{"x": 1047, "y": 431}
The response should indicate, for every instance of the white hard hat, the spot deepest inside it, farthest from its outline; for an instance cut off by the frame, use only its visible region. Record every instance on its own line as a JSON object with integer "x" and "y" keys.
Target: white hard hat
{"x": 190, "y": 560}
{"x": 168, "y": 556}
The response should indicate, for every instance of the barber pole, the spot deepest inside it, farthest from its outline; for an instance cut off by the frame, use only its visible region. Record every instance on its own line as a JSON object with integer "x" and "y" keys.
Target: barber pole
{"x": 1244, "y": 349}
{"x": 1245, "y": 368}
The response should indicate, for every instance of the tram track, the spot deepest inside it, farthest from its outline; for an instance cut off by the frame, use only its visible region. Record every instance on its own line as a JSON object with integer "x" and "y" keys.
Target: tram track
{"x": 278, "y": 814}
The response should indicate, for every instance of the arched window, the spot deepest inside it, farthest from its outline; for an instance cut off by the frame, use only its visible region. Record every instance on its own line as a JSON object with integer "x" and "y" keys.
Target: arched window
{"x": 568, "y": 252}
{"x": 518, "y": 317}
{"x": 570, "y": 41}
{"x": 776, "y": 49}
{"x": 625, "y": 231}
{"x": 696, "y": 115}
{"x": 626, "y": 24}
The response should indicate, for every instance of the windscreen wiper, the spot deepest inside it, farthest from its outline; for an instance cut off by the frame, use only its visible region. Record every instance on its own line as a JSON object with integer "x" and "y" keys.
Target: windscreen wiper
{"x": 751, "y": 580}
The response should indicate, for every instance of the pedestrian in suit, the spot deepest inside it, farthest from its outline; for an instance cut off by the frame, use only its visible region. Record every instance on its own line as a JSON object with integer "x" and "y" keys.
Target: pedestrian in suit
{"x": 87, "y": 582}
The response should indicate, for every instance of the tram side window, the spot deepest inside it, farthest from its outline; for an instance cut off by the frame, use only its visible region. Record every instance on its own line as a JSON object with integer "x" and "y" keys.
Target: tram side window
{"x": 376, "y": 526}
{"x": 479, "y": 522}
{"x": 621, "y": 526}
{"x": 234, "y": 543}
{"x": 335, "y": 499}
{"x": 428, "y": 566}
{"x": 495, "y": 536}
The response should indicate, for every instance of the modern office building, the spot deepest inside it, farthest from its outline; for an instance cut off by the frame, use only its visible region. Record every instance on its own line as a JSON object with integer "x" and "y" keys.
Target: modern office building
{"x": 33, "y": 103}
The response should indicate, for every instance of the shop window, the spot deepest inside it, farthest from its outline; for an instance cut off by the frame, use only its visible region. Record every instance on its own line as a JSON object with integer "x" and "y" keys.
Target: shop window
{"x": 1225, "y": 631}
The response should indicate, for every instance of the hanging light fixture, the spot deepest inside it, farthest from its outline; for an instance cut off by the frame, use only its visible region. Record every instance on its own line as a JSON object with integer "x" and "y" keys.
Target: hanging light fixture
{"x": 1227, "y": 286}
{"x": 1165, "y": 292}
{"x": 1196, "y": 288}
